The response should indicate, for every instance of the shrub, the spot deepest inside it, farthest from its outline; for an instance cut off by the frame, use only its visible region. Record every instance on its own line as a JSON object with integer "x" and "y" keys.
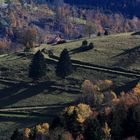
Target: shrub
{"x": 98, "y": 34}
{"x": 90, "y": 46}
{"x": 85, "y": 43}
{"x": 106, "y": 32}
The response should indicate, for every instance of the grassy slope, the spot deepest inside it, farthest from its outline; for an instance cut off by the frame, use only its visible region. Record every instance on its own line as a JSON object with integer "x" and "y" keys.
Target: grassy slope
{"x": 16, "y": 68}
{"x": 106, "y": 50}
{"x": 14, "y": 94}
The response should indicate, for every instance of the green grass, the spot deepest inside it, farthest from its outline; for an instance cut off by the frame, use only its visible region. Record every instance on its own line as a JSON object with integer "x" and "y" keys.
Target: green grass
{"x": 16, "y": 94}
{"x": 106, "y": 50}
{"x": 16, "y": 67}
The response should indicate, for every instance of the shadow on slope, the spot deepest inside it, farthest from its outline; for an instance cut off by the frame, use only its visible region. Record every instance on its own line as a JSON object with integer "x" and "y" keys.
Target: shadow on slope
{"x": 126, "y": 87}
{"x": 17, "y": 92}
{"x": 20, "y": 91}
{"x": 128, "y": 57}
{"x": 136, "y": 33}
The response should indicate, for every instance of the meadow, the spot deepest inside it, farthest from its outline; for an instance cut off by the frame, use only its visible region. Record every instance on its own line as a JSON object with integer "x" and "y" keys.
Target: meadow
{"x": 47, "y": 98}
{"x": 120, "y": 50}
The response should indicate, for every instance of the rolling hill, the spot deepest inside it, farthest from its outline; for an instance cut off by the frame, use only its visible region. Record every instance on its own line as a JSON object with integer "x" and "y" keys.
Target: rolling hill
{"x": 22, "y": 101}
{"x": 109, "y": 51}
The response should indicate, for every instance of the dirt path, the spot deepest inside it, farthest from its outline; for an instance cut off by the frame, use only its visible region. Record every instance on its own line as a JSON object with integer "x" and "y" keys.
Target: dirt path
{"x": 33, "y": 107}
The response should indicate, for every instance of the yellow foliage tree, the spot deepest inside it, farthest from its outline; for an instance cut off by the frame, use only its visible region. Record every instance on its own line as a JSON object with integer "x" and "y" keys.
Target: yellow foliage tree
{"x": 106, "y": 131}
{"x": 69, "y": 110}
{"x": 81, "y": 112}
{"x": 26, "y": 132}
{"x": 104, "y": 84}
{"x": 136, "y": 90}
{"x": 113, "y": 96}
{"x": 42, "y": 128}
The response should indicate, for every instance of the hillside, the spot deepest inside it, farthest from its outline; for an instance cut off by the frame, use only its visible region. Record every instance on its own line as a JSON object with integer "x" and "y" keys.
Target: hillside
{"x": 44, "y": 22}
{"x": 69, "y": 69}
{"x": 120, "y": 51}
{"x": 42, "y": 101}
{"x": 126, "y": 7}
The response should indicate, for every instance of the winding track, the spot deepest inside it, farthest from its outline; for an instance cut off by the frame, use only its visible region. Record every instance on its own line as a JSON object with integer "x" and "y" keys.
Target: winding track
{"x": 29, "y": 108}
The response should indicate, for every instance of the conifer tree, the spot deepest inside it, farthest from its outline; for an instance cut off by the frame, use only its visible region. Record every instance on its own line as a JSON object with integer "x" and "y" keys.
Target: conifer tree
{"x": 38, "y": 66}
{"x": 64, "y": 66}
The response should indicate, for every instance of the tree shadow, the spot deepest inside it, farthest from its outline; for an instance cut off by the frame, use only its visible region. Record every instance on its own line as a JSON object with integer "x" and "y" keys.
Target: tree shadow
{"x": 128, "y": 57}
{"x": 80, "y": 49}
{"x": 10, "y": 91}
{"x": 126, "y": 87}
{"x": 17, "y": 92}
{"x": 19, "y": 57}
{"x": 136, "y": 33}
{"x": 129, "y": 51}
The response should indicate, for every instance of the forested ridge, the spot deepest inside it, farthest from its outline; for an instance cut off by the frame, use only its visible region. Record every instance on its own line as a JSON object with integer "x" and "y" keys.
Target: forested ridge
{"x": 126, "y": 7}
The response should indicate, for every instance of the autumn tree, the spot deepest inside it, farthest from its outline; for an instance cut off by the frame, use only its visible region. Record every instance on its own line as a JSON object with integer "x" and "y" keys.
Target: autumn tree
{"x": 136, "y": 89}
{"x": 26, "y": 133}
{"x": 92, "y": 93}
{"x": 41, "y": 129}
{"x": 87, "y": 91}
{"x": 38, "y": 66}
{"x": 28, "y": 37}
{"x": 64, "y": 66}
{"x": 4, "y": 46}
{"x": 106, "y": 131}
{"x": 89, "y": 29}
{"x": 75, "y": 117}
